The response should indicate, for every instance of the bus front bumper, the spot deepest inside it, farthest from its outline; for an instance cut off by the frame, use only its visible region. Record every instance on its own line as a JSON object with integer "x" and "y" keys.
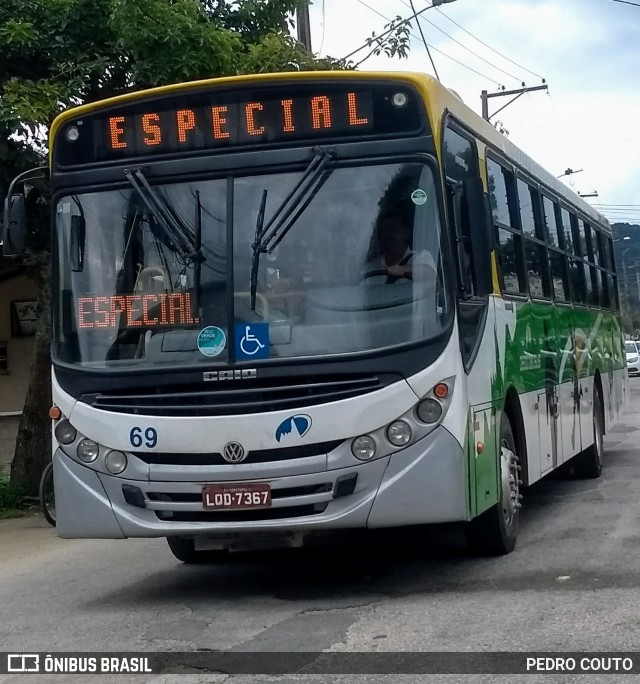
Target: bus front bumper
{"x": 424, "y": 483}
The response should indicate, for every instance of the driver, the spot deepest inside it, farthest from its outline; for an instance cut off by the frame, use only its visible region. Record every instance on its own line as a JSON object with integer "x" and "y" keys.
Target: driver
{"x": 397, "y": 261}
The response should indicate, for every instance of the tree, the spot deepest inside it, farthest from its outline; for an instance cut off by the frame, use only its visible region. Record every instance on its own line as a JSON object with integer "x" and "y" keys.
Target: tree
{"x": 59, "y": 53}
{"x": 34, "y": 440}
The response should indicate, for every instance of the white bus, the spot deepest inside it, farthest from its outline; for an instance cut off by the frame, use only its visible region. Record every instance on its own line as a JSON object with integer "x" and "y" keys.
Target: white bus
{"x": 296, "y": 303}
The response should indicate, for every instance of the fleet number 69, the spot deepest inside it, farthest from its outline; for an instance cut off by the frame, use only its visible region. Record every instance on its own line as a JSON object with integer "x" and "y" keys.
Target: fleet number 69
{"x": 150, "y": 437}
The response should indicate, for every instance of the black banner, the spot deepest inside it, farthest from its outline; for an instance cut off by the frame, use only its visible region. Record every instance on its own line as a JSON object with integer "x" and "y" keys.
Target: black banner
{"x": 334, "y": 663}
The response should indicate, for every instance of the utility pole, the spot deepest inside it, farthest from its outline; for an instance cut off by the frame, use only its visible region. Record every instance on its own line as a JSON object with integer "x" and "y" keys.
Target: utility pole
{"x": 484, "y": 96}
{"x": 304, "y": 25}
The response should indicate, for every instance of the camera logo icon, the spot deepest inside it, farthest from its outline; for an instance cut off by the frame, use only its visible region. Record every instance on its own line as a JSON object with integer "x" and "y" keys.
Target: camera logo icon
{"x": 23, "y": 662}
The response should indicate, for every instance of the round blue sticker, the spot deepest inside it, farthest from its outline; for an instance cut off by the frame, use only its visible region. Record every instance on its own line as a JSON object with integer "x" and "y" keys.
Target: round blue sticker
{"x": 212, "y": 341}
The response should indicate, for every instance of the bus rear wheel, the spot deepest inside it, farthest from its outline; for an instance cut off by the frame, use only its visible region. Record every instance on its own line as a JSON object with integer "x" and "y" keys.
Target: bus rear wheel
{"x": 588, "y": 464}
{"x": 183, "y": 548}
{"x": 494, "y": 532}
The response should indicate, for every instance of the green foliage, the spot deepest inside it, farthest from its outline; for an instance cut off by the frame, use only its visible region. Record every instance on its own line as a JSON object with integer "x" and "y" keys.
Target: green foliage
{"x": 59, "y": 53}
{"x": 12, "y": 496}
{"x": 392, "y": 42}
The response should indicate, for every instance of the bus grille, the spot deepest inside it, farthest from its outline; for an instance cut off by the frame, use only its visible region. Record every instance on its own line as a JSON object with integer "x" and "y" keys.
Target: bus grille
{"x": 257, "y": 456}
{"x": 242, "y": 516}
{"x": 238, "y": 397}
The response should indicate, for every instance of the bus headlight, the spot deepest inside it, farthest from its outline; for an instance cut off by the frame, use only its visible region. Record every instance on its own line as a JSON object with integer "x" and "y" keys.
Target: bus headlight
{"x": 115, "y": 462}
{"x": 65, "y": 432}
{"x": 429, "y": 411}
{"x": 363, "y": 448}
{"x": 87, "y": 450}
{"x": 399, "y": 433}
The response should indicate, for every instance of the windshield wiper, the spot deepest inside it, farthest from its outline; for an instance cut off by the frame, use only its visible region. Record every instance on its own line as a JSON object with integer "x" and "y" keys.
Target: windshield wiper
{"x": 197, "y": 268}
{"x": 179, "y": 235}
{"x": 268, "y": 237}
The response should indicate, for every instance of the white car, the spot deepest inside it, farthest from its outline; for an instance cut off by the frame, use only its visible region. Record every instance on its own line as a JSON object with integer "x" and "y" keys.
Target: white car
{"x": 633, "y": 357}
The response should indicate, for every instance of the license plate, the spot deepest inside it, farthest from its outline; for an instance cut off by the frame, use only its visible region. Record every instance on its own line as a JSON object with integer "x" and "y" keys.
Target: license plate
{"x": 221, "y": 497}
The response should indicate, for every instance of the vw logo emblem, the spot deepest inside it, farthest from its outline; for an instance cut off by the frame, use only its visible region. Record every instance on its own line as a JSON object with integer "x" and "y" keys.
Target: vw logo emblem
{"x": 234, "y": 452}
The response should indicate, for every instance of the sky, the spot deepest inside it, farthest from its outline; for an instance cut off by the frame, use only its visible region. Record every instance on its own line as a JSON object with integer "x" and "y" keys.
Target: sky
{"x": 587, "y": 51}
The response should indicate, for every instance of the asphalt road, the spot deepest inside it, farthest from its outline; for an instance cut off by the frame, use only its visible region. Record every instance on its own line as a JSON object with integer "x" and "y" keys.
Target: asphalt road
{"x": 572, "y": 584}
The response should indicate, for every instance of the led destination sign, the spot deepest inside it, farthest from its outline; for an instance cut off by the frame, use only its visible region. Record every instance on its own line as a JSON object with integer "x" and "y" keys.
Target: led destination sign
{"x": 198, "y": 127}
{"x": 216, "y": 120}
{"x": 129, "y": 311}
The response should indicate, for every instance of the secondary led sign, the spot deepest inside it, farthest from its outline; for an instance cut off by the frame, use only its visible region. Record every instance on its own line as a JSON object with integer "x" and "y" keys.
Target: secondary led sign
{"x": 136, "y": 310}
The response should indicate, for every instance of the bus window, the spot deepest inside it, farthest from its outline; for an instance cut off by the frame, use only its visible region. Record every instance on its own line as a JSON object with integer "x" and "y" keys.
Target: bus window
{"x": 605, "y": 298}
{"x": 498, "y": 193}
{"x": 537, "y": 270}
{"x": 579, "y": 237}
{"x": 611, "y": 262}
{"x": 602, "y": 250}
{"x": 565, "y": 227}
{"x": 590, "y": 293}
{"x": 595, "y": 286}
{"x": 509, "y": 251}
{"x": 527, "y": 218}
{"x": 594, "y": 253}
{"x": 578, "y": 287}
{"x": 559, "y": 277}
{"x": 550, "y": 225}
{"x": 612, "y": 286}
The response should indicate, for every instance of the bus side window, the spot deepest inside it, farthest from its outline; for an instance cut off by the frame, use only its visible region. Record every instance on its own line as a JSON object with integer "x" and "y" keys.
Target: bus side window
{"x": 504, "y": 206}
{"x": 534, "y": 230}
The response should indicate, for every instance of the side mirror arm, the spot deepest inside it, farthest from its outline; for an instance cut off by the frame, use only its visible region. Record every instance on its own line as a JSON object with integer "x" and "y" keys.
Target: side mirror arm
{"x": 14, "y": 219}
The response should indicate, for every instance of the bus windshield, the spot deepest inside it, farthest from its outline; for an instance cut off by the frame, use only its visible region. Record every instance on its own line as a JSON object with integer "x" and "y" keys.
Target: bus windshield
{"x": 360, "y": 268}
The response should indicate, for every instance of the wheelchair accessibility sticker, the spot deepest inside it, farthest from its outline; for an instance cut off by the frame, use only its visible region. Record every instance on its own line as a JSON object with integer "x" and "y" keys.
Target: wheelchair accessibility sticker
{"x": 212, "y": 341}
{"x": 252, "y": 340}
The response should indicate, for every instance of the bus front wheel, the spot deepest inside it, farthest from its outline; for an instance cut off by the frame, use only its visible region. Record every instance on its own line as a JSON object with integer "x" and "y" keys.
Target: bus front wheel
{"x": 183, "y": 548}
{"x": 494, "y": 532}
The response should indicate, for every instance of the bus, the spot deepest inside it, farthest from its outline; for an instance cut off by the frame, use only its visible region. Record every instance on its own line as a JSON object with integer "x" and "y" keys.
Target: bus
{"x": 293, "y": 304}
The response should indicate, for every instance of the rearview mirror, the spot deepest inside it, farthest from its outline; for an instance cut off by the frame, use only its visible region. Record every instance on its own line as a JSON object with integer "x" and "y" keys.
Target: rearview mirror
{"x": 14, "y": 226}
{"x": 480, "y": 231}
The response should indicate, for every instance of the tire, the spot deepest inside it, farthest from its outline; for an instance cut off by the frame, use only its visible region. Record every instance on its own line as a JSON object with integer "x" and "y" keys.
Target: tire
{"x": 47, "y": 496}
{"x": 183, "y": 548}
{"x": 494, "y": 532}
{"x": 588, "y": 464}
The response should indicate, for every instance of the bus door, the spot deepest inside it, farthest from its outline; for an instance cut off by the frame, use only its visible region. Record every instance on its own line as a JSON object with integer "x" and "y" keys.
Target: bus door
{"x": 549, "y": 421}
{"x": 569, "y": 394}
{"x": 460, "y": 157}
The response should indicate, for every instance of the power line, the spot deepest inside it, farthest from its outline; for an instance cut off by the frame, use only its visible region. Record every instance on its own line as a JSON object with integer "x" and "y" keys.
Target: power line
{"x": 384, "y": 33}
{"x": 475, "y": 54}
{"x": 619, "y": 206}
{"x": 444, "y": 54}
{"x": 626, "y": 2}
{"x": 488, "y": 46}
{"x": 433, "y": 64}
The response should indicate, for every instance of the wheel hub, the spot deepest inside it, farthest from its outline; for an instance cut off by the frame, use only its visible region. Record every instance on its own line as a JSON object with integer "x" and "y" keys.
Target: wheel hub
{"x": 510, "y": 482}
